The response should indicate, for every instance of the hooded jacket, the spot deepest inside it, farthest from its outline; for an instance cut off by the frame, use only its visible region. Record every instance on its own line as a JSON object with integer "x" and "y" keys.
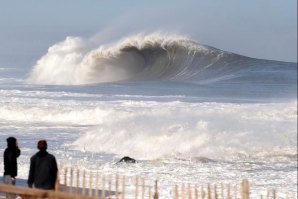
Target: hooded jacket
{"x": 43, "y": 170}
{"x": 11, "y": 153}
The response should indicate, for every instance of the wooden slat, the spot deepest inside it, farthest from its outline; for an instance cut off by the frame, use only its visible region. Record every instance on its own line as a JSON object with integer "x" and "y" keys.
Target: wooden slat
{"x": 39, "y": 193}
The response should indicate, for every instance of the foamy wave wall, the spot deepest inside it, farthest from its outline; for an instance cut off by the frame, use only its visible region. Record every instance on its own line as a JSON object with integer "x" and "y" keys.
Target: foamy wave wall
{"x": 80, "y": 61}
{"x": 155, "y": 56}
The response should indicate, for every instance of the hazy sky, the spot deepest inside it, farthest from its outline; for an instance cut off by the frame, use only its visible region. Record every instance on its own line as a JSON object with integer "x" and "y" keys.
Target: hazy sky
{"x": 256, "y": 28}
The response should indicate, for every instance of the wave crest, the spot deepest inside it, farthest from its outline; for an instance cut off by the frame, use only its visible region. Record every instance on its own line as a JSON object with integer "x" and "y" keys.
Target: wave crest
{"x": 143, "y": 57}
{"x": 153, "y": 56}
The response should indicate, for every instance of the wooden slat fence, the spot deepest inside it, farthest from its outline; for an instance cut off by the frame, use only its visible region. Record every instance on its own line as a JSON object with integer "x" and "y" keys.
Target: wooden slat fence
{"x": 81, "y": 184}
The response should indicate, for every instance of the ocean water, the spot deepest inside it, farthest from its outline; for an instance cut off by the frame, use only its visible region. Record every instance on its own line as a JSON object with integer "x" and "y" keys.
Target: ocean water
{"x": 188, "y": 113}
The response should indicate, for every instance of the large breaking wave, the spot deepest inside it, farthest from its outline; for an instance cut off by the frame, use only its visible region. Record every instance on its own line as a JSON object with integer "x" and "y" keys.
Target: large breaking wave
{"x": 152, "y": 57}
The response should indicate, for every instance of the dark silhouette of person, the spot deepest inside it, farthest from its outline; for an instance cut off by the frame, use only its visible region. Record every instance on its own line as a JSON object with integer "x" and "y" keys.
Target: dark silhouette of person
{"x": 43, "y": 168}
{"x": 11, "y": 153}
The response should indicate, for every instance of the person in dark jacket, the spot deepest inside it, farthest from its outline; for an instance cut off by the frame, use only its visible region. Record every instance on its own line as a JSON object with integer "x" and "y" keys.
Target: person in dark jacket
{"x": 11, "y": 153}
{"x": 43, "y": 168}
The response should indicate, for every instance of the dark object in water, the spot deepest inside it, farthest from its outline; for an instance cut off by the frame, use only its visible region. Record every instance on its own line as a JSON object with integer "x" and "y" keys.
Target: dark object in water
{"x": 127, "y": 159}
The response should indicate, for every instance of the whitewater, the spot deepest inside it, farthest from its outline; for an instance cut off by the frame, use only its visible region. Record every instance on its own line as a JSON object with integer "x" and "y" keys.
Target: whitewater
{"x": 189, "y": 113}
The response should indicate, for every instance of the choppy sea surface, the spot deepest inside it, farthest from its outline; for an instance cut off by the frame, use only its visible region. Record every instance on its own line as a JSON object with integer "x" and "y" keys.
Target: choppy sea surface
{"x": 188, "y": 113}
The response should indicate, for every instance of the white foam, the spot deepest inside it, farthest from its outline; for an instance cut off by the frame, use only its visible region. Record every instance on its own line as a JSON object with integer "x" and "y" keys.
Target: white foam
{"x": 154, "y": 129}
{"x": 151, "y": 129}
{"x": 208, "y": 130}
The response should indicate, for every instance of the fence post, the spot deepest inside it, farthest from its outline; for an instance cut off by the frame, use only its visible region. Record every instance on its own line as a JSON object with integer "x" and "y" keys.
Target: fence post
{"x": 110, "y": 186}
{"x": 65, "y": 179}
{"x": 245, "y": 189}
{"x": 137, "y": 187}
{"x": 90, "y": 184}
{"x": 274, "y": 194}
{"x": 196, "y": 193}
{"x": 215, "y": 192}
{"x": 176, "y": 192}
{"x": 97, "y": 187}
{"x": 84, "y": 183}
{"x": 123, "y": 187}
{"x": 149, "y": 194}
{"x": 189, "y": 191}
{"x": 103, "y": 191}
{"x": 77, "y": 182}
{"x": 143, "y": 188}
{"x": 202, "y": 192}
{"x": 71, "y": 176}
{"x": 242, "y": 190}
{"x": 57, "y": 183}
{"x": 116, "y": 185}
{"x": 182, "y": 191}
{"x": 209, "y": 192}
{"x": 156, "y": 191}
{"x": 229, "y": 192}
{"x": 222, "y": 190}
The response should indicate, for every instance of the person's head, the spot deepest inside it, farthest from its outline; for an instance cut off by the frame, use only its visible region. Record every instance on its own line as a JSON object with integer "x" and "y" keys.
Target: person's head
{"x": 11, "y": 142}
{"x": 42, "y": 145}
